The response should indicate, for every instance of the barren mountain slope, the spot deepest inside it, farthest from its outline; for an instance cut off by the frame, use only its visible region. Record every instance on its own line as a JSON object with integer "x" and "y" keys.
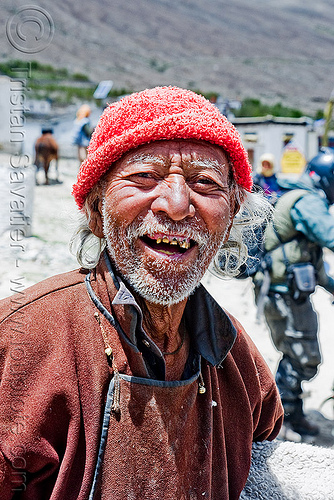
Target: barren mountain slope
{"x": 277, "y": 51}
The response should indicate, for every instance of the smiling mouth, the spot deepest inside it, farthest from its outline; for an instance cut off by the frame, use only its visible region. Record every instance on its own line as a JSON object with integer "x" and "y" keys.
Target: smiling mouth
{"x": 168, "y": 244}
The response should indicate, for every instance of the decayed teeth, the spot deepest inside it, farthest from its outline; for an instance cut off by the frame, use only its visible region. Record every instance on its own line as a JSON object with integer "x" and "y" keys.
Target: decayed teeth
{"x": 174, "y": 241}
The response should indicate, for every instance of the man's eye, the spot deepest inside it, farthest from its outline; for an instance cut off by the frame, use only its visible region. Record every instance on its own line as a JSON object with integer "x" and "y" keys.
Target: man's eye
{"x": 205, "y": 185}
{"x": 205, "y": 180}
{"x": 144, "y": 175}
{"x": 144, "y": 178}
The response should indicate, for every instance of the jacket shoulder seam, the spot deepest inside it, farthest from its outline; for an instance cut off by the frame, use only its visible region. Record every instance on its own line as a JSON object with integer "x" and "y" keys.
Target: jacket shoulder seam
{"x": 39, "y": 297}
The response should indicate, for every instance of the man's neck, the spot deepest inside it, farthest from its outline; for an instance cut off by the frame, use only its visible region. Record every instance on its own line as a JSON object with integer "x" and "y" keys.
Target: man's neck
{"x": 164, "y": 325}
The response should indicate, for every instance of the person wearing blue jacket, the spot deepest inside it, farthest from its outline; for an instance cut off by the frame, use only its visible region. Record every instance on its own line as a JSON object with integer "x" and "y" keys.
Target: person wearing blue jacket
{"x": 301, "y": 228}
{"x": 266, "y": 178}
{"x": 82, "y": 131}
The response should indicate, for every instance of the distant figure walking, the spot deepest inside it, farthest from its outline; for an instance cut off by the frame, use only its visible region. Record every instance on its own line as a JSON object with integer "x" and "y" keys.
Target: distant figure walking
{"x": 82, "y": 131}
{"x": 46, "y": 150}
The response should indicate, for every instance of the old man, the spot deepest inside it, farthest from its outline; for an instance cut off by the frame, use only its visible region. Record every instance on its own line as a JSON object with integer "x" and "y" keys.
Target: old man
{"x": 133, "y": 382}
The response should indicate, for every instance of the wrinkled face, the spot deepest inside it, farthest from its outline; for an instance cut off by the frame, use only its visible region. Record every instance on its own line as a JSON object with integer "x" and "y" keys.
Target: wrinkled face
{"x": 167, "y": 208}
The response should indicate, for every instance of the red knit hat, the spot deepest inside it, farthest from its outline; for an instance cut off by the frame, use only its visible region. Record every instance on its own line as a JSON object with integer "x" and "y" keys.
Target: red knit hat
{"x": 152, "y": 115}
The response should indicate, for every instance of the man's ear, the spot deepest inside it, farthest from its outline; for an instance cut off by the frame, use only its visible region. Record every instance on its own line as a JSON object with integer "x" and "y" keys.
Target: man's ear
{"x": 235, "y": 207}
{"x": 236, "y": 201}
{"x": 95, "y": 219}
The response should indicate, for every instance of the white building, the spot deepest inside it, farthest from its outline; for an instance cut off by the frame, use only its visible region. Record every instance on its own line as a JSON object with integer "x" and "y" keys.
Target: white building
{"x": 285, "y": 138}
{"x": 38, "y": 107}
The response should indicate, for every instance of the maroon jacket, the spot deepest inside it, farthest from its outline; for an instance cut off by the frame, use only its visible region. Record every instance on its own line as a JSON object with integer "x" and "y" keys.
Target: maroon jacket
{"x": 168, "y": 441}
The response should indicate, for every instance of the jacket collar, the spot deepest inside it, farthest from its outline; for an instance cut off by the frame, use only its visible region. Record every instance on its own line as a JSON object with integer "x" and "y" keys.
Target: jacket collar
{"x": 212, "y": 332}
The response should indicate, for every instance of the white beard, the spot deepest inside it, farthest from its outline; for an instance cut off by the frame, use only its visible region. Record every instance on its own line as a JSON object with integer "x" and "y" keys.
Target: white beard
{"x": 163, "y": 282}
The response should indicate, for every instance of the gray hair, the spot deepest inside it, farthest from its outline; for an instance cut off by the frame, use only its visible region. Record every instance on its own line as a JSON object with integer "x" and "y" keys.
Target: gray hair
{"x": 246, "y": 233}
{"x": 254, "y": 211}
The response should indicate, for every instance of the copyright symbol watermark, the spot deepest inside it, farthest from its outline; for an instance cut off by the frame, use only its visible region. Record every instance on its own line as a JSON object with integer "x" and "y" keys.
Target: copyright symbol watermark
{"x": 30, "y": 30}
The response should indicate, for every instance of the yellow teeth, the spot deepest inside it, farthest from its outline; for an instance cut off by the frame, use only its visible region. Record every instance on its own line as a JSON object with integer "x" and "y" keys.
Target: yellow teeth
{"x": 174, "y": 241}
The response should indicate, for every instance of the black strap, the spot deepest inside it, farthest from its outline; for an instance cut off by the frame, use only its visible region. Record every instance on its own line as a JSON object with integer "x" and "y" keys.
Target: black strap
{"x": 103, "y": 438}
{"x": 283, "y": 243}
{"x": 286, "y": 260}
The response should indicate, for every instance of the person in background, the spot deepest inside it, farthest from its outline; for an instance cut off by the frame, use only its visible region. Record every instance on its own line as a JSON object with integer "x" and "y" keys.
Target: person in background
{"x": 294, "y": 241}
{"x": 126, "y": 379}
{"x": 82, "y": 131}
{"x": 266, "y": 178}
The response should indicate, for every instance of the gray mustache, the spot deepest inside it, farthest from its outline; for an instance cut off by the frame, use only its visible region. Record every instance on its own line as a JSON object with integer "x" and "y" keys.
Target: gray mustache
{"x": 150, "y": 227}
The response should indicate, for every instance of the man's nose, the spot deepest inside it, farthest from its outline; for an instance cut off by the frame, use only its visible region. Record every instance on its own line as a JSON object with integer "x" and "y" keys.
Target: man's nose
{"x": 174, "y": 198}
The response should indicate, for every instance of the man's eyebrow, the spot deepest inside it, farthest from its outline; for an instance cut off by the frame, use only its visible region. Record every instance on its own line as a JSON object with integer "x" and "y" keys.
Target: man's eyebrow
{"x": 208, "y": 163}
{"x": 146, "y": 158}
{"x": 198, "y": 163}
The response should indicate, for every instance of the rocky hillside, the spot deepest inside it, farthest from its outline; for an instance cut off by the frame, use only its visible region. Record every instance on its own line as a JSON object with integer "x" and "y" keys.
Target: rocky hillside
{"x": 275, "y": 51}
